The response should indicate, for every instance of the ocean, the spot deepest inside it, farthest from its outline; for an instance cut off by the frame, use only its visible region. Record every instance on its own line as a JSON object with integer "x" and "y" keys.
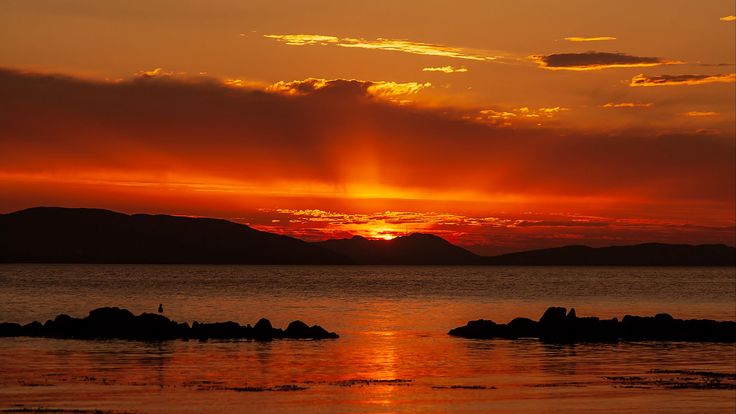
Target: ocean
{"x": 393, "y": 354}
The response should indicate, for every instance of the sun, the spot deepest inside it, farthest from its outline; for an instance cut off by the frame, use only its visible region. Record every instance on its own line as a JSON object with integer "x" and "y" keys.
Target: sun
{"x": 382, "y": 233}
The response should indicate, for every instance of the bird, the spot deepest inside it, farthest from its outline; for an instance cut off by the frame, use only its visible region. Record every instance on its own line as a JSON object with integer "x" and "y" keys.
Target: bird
{"x": 160, "y": 308}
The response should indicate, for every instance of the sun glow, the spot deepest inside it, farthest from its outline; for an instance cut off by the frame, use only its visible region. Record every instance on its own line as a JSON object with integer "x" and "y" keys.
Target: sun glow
{"x": 382, "y": 233}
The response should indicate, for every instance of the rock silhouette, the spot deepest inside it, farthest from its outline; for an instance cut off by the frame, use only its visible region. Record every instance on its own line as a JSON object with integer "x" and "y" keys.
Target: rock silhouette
{"x": 116, "y": 323}
{"x": 558, "y": 325}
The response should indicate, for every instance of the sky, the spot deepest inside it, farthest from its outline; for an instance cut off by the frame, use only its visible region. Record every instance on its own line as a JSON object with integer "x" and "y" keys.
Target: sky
{"x": 500, "y": 126}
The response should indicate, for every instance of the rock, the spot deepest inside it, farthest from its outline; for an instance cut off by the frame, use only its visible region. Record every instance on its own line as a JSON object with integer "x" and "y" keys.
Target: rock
{"x": 553, "y": 325}
{"x": 522, "y": 328}
{"x": 263, "y": 330}
{"x": 297, "y": 330}
{"x": 318, "y": 332}
{"x": 553, "y": 315}
{"x": 10, "y": 329}
{"x": 32, "y": 329}
{"x": 64, "y": 326}
{"x": 477, "y": 329}
{"x": 154, "y": 326}
{"x": 556, "y": 326}
{"x": 110, "y": 322}
{"x": 219, "y": 330}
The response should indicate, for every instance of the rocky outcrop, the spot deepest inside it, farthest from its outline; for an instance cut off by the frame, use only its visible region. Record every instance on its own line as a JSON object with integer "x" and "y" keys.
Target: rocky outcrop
{"x": 558, "y": 325}
{"x": 108, "y": 323}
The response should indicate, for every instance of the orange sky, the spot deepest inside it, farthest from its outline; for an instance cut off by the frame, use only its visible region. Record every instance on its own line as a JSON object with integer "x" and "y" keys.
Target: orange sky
{"x": 500, "y": 126}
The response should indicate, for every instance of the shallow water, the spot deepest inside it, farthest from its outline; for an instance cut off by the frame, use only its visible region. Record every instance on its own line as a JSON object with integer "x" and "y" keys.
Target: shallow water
{"x": 393, "y": 355}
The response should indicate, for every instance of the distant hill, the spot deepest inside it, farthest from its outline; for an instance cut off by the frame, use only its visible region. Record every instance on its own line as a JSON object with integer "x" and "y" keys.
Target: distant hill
{"x": 413, "y": 249}
{"x": 80, "y": 235}
{"x": 649, "y": 254}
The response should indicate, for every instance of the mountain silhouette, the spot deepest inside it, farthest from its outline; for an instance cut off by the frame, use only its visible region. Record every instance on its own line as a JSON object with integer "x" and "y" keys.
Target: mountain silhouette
{"x": 83, "y": 235}
{"x": 416, "y": 248}
{"x": 647, "y": 254}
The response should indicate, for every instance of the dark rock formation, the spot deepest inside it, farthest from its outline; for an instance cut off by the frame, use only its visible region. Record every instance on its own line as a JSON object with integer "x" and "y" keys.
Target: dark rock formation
{"x": 557, "y": 325}
{"x": 107, "y": 323}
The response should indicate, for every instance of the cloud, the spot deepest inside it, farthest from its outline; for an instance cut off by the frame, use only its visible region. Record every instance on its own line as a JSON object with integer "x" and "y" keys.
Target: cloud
{"x": 504, "y": 117}
{"x": 595, "y": 61}
{"x": 701, "y": 113}
{"x": 381, "y": 89}
{"x": 304, "y": 39}
{"x": 203, "y": 140}
{"x": 681, "y": 80}
{"x": 589, "y": 39}
{"x": 627, "y": 105}
{"x": 393, "y": 45}
{"x": 728, "y": 18}
{"x": 445, "y": 69}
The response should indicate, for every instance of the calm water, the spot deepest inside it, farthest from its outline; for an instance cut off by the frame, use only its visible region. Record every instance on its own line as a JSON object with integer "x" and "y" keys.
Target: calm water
{"x": 393, "y": 354}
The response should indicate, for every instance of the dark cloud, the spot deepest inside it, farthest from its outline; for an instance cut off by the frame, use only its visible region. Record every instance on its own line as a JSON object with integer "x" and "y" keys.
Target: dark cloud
{"x": 681, "y": 80}
{"x": 595, "y": 60}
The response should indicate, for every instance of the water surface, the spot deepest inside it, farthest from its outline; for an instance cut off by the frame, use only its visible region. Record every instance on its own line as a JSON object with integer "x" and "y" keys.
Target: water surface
{"x": 393, "y": 354}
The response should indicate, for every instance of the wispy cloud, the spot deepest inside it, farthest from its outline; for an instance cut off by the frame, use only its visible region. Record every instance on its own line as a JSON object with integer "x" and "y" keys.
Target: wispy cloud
{"x": 504, "y": 117}
{"x": 596, "y": 61}
{"x": 393, "y": 45}
{"x": 627, "y": 105}
{"x": 728, "y": 18}
{"x": 445, "y": 69}
{"x": 589, "y": 39}
{"x": 681, "y": 80}
{"x": 701, "y": 113}
{"x": 304, "y": 39}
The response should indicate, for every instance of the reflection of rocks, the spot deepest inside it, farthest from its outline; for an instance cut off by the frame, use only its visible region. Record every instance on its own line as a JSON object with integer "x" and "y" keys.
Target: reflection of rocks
{"x": 557, "y": 325}
{"x": 122, "y": 324}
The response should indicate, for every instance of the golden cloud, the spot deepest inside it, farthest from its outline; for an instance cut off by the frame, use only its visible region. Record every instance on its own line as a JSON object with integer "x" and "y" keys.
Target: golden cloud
{"x": 445, "y": 69}
{"x": 381, "y": 89}
{"x": 393, "y": 89}
{"x": 701, "y": 113}
{"x": 589, "y": 39}
{"x": 728, "y": 18}
{"x": 304, "y": 39}
{"x": 504, "y": 117}
{"x": 627, "y": 105}
{"x": 595, "y": 61}
{"x": 681, "y": 80}
{"x": 393, "y": 45}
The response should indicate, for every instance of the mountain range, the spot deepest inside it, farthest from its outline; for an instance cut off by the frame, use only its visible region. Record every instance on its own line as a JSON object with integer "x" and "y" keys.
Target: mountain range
{"x": 81, "y": 235}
